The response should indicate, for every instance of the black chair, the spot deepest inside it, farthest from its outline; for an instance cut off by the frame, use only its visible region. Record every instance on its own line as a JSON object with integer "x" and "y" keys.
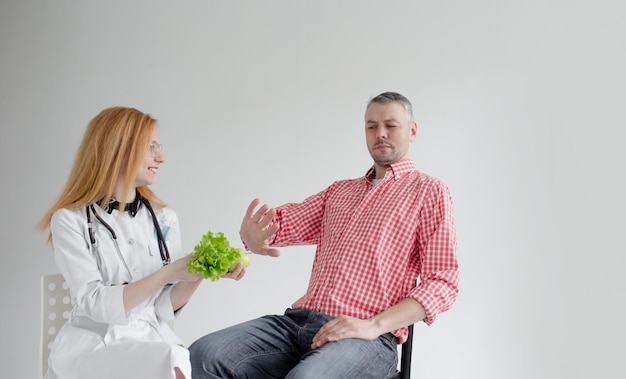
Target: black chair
{"x": 405, "y": 357}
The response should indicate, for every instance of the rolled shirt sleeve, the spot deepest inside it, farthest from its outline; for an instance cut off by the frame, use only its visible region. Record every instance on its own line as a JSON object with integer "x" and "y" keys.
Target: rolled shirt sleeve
{"x": 439, "y": 275}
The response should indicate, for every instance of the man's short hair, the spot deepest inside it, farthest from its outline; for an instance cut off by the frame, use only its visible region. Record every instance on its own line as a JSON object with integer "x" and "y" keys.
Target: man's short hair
{"x": 394, "y": 97}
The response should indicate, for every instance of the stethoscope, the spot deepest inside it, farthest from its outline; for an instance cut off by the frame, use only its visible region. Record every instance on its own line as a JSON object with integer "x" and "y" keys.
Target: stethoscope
{"x": 165, "y": 253}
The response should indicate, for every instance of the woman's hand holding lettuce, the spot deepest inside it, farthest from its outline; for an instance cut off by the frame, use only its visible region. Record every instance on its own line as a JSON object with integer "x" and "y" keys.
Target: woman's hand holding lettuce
{"x": 213, "y": 257}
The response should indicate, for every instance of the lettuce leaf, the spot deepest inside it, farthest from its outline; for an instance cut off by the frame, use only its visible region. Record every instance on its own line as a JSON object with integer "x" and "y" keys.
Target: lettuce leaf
{"x": 213, "y": 256}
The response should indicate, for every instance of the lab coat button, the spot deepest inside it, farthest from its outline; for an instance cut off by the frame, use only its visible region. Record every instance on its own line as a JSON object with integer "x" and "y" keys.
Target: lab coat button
{"x": 131, "y": 241}
{"x": 136, "y": 270}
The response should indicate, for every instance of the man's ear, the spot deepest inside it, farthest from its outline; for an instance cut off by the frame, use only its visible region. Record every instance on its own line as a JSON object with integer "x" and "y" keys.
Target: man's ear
{"x": 412, "y": 131}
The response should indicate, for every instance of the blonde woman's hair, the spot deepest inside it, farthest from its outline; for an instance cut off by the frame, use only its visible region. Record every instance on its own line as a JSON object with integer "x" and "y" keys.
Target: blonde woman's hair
{"x": 115, "y": 143}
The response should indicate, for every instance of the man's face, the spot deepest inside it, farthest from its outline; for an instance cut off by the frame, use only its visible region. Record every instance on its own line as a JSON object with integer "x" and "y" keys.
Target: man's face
{"x": 388, "y": 133}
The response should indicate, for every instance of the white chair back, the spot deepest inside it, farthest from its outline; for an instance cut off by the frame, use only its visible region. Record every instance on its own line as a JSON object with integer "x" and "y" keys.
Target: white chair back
{"x": 55, "y": 311}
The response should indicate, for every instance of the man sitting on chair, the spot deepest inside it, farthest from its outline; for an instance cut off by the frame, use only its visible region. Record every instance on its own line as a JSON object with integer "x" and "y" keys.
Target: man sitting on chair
{"x": 375, "y": 236}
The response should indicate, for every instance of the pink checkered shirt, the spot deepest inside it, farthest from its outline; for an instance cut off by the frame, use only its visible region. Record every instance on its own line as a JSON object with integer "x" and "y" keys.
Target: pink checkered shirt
{"x": 373, "y": 242}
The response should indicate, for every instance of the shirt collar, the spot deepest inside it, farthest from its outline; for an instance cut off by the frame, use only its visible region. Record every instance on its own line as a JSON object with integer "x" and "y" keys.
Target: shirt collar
{"x": 396, "y": 169}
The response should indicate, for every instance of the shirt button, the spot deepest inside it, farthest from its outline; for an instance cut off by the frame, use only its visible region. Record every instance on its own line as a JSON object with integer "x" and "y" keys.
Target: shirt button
{"x": 131, "y": 241}
{"x": 136, "y": 270}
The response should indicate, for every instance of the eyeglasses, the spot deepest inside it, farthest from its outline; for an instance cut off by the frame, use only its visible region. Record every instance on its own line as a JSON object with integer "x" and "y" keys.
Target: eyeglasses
{"x": 155, "y": 148}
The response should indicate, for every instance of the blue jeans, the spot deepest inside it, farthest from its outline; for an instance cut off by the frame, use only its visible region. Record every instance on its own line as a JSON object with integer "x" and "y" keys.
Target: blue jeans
{"x": 279, "y": 346}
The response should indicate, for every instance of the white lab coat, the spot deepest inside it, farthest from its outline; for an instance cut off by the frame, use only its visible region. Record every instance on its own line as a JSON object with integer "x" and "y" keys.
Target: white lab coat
{"x": 100, "y": 340}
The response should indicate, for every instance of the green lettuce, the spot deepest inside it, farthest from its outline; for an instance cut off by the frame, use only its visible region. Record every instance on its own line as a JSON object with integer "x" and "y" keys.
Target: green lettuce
{"x": 213, "y": 256}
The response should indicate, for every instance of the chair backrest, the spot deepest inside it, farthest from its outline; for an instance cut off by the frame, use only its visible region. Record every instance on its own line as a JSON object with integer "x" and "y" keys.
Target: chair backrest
{"x": 55, "y": 310}
{"x": 405, "y": 357}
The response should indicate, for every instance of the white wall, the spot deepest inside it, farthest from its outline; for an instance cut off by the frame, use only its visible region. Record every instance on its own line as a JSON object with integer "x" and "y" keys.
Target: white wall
{"x": 521, "y": 112}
